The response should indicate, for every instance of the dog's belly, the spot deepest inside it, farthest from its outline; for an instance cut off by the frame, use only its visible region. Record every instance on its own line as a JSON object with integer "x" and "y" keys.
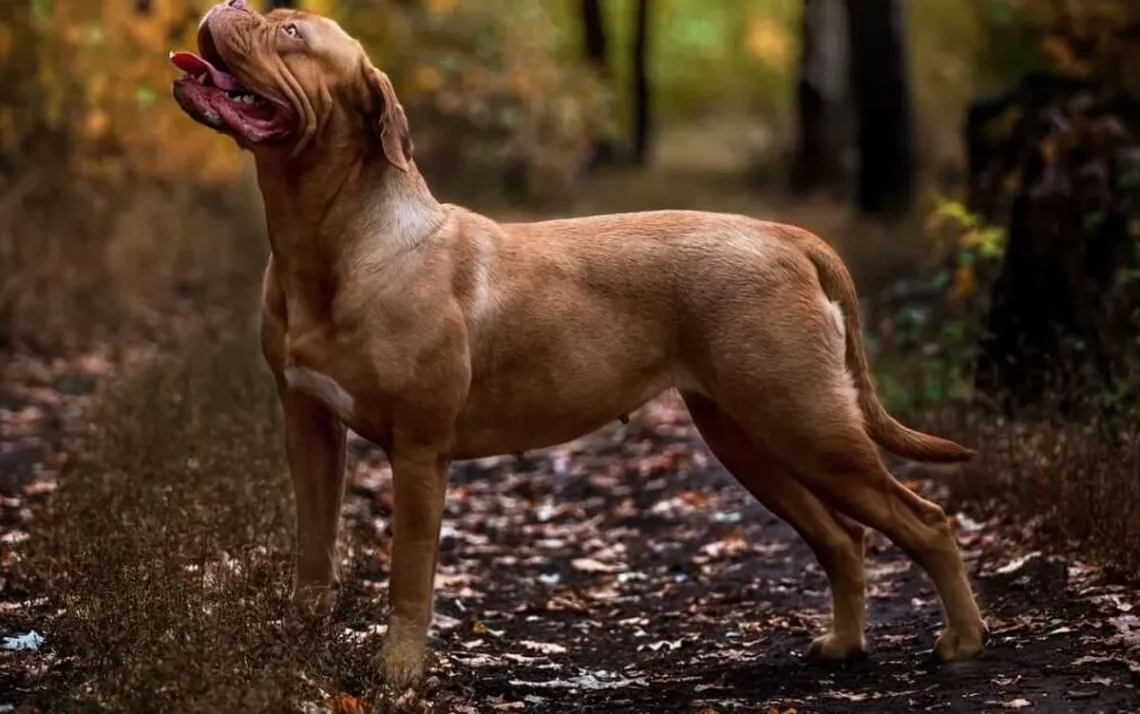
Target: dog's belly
{"x": 539, "y": 431}
{"x": 508, "y": 423}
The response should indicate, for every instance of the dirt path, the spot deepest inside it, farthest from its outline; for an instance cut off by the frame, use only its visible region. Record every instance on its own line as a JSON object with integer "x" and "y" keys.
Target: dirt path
{"x": 628, "y": 573}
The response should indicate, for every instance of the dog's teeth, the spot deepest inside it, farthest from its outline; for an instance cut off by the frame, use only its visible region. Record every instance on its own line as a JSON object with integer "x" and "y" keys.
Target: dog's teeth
{"x": 202, "y": 78}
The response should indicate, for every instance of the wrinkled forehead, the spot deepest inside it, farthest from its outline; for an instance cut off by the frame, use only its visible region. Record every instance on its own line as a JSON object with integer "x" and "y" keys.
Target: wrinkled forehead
{"x": 323, "y": 36}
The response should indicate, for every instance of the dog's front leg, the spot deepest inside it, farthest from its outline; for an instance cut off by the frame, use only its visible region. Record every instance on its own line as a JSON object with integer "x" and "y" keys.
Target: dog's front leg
{"x": 420, "y": 480}
{"x": 315, "y": 448}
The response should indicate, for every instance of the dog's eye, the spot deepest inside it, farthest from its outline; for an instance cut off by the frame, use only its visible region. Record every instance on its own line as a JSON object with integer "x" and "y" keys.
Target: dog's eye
{"x": 291, "y": 30}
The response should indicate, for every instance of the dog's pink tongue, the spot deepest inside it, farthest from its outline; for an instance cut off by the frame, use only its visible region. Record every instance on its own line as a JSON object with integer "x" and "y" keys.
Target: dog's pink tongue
{"x": 191, "y": 63}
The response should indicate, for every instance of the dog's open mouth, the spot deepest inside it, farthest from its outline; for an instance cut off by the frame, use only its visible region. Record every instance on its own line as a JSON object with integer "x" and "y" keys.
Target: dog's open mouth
{"x": 213, "y": 96}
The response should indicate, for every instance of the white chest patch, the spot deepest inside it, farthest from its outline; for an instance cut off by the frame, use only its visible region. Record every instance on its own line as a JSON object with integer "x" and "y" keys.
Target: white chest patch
{"x": 321, "y": 387}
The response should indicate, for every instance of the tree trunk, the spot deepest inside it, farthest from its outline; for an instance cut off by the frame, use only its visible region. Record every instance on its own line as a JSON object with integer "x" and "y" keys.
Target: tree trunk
{"x": 594, "y": 33}
{"x": 641, "y": 136}
{"x": 273, "y": 4}
{"x": 1061, "y": 321}
{"x": 822, "y": 95}
{"x": 597, "y": 56}
{"x": 886, "y": 183}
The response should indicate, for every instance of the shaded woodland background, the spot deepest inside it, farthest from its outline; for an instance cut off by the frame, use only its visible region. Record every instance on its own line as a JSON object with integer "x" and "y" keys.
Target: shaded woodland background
{"x": 977, "y": 162}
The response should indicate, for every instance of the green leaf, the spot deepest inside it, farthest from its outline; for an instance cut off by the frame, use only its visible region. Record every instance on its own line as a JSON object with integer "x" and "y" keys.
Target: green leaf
{"x": 1000, "y": 11}
{"x": 957, "y": 212}
{"x": 955, "y": 331}
{"x": 42, "y": 9}
{"x": 992, "y": 244}
{"x": 145, "y": 96}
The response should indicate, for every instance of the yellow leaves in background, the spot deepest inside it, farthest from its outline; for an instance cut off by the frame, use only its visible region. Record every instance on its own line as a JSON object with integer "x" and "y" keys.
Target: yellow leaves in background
{"x": 440, "y": 7}
{"x": 1060, "y": 52}
{"x": 103, "y": 72}
{"x": 321, "y": 7}
{"x": 974, "y": 240}
{"x": 1087, "y": 38}
{"x": 965, "y": 282}
{"x": 426, "y": 78}
{"x": 6, "y": 41}
{"x": 768, "y": 41}
{"x": 95, "y": 124}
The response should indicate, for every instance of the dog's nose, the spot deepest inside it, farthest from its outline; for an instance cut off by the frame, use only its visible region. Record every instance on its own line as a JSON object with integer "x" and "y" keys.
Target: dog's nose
{"x": 237, "y": 4}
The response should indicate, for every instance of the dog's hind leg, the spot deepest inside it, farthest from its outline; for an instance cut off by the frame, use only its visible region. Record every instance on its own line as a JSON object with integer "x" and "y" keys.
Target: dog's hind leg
{"x": 836, "y": 540}
{"x": 811, "y": 420}
{"x": 844, "y": 470}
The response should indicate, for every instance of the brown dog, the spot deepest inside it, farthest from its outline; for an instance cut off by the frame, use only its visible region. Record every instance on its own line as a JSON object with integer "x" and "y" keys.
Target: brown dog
{"x": 439, "y": 334}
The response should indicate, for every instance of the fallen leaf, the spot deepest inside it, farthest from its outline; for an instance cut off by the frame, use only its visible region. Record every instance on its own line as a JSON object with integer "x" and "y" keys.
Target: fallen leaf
{"x": 661, "y": 645}
{"x": 1017, "y": 563}
{"x": 585, "y": 681}
{"x": 348, "y": 704}
{"x": 30, "y": 641}
{"x": 543, "y": 647}
{"x": 589, "y": 565}
{"x": 479, "y": 628}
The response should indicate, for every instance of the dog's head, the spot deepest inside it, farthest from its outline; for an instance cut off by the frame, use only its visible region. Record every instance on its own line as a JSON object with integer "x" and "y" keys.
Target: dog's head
{"x": 278, "y": 81}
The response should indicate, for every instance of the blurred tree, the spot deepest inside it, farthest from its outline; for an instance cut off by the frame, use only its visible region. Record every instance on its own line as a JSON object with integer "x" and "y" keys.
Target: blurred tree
{"x": 642, "y": 124}
{"x": 596, "y": 45}
{"x": 501, "y": 104}
{"x": 886, "y": 184}
{"x": 822, "y": 97}
{"x": 594, "y": 34}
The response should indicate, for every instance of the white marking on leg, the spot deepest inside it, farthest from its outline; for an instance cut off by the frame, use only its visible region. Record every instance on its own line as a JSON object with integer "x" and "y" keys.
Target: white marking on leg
{"x": 322, "y": 387}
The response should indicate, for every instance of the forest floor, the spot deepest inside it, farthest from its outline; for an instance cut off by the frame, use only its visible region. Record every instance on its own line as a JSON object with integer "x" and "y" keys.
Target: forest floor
{"x": 628, "y": 572}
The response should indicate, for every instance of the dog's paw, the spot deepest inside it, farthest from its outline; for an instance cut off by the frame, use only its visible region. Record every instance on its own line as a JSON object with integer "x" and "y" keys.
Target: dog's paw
{"x": 402, "y": 666}
{"x": 832, "y": 648}
{"x": 953, "y": 646}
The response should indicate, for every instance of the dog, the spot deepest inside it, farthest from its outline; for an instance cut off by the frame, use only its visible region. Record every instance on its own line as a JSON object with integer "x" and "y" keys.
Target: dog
{"x": 441, "y": 335}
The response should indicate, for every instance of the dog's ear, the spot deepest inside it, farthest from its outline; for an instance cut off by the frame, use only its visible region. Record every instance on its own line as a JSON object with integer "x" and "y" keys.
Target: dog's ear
{"x": 386, "y": 119}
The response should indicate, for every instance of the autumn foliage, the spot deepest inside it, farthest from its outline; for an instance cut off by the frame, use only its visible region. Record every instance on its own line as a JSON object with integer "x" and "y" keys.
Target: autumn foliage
{"x": 113, "y": 199}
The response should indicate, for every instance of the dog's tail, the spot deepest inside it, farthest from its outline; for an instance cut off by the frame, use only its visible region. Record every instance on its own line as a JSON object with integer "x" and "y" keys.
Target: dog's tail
{"x": 881, "y": 426}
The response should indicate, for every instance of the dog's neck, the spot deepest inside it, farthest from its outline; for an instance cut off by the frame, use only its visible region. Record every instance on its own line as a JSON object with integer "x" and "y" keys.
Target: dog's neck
{"x": 324, "y": 216}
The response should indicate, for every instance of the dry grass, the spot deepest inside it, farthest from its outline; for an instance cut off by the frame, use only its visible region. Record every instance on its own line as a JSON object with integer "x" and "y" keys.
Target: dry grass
{"x": 1075, "y": 483}
{"x": 1078, "y": 482}
{"x": 81, "y": 259}
{"x": 168, "y": 553}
